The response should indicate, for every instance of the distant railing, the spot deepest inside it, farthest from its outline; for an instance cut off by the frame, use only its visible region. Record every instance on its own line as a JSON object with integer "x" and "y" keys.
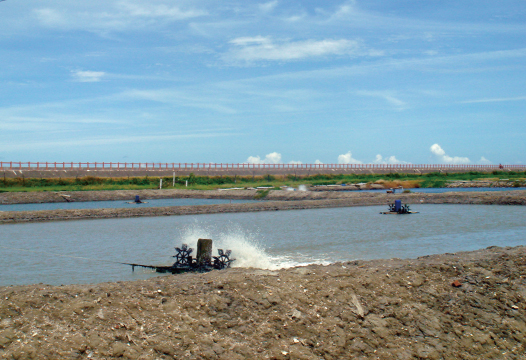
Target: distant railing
{"x": 28, "y": 165}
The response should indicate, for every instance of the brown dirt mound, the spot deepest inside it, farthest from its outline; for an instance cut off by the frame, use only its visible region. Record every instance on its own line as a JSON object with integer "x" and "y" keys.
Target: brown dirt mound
{"x": 383, "y": 309}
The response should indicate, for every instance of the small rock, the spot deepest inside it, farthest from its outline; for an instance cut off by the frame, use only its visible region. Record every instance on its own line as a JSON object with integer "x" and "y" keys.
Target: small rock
{"x": 456, "y": 283}
{"x": 119, "y": 349}
{"x": 296, "y": 314}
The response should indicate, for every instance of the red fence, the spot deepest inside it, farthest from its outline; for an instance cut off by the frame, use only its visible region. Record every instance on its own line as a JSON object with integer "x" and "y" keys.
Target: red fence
{"x": 27, "y": 165}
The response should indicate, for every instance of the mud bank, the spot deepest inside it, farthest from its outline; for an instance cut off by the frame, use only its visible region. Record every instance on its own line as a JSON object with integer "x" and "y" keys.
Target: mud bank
{"x": 381, "y": 309}
{"x": 278, "y": 200}
{"x": 482, "y": 183}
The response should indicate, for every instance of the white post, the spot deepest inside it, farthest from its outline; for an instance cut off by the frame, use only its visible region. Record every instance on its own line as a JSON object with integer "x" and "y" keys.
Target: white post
{"x": 173, "y": 185}
{"x": 161, "y": 183}
{"x": 186, "y": 183}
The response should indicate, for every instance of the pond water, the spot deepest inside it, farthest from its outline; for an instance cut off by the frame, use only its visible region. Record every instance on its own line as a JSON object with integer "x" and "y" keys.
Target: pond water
{"x": 117, "y": 204}
{"x": 187, "y": 202}
{"x": 89, "y": 251}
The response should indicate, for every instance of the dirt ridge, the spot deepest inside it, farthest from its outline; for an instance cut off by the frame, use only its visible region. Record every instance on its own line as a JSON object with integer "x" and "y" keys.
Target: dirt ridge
{"x": 277, "y": 200}
{"x": 467, "y": 305}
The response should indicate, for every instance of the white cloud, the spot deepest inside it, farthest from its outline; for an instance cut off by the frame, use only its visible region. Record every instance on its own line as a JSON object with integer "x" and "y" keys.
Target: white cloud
{"x": 259, "y": 48}
{"x": 51, "y": 17}
{"x": 345, "y": 11}
{"x": 347, "y": 159}
{"x": 484, "y": 161}
{"x": 518, "y": 98}
{"x": 272, "y": 158}
{"x": 318, "y": 162}
{"x": 437, "y": 150}
{"x": 88, "y": 76}
{"x": 389, "y": 160}
{"x": 268, "y": 6}
{"x": 102, "y": 141}
{"x": 386, "y": 95}
{"x": 112, "y": 16}
{"x": 443, "y": 157}
{"x": 148, "y": 10}
{"x": 211, "y": 100}
{"x": 295, "y": 162}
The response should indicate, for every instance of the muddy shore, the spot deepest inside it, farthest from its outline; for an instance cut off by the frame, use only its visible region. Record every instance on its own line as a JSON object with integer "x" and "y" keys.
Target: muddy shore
{"x": 381, "y": 309}
{"x": 276, "y": 200}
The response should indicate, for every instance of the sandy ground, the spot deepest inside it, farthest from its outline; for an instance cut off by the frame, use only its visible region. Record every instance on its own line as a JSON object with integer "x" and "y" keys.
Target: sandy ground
{"x": 453, "y": 306}
{"x": 381, "y": 309}
{"x": 276, "y": 200}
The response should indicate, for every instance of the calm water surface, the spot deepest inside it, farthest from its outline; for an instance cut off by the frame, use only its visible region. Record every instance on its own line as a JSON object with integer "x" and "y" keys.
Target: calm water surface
{"x": 117, "y": 204}
{"x": 87, "y": 251}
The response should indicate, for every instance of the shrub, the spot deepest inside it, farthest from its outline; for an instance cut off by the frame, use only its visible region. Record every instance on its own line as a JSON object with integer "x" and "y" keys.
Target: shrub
{"x": 260, "y": 194}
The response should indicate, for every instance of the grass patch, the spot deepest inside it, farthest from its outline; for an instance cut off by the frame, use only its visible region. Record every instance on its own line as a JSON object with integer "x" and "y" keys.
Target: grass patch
{"x": 433, "y": 183}
{"x": 261, "y": 194}
{"x": 393, "y": 180}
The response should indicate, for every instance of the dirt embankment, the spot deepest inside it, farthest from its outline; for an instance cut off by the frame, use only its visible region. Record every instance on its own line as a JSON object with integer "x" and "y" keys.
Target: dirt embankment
{"x": 486, "y": 183}
{"x": 382, "y": 309}
{"x": 279, "y": 200}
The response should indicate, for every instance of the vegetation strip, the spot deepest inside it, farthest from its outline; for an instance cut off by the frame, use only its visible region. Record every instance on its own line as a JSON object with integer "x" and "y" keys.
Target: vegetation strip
{"x": 310, "y": 201}
{"x": 435, "y": 179}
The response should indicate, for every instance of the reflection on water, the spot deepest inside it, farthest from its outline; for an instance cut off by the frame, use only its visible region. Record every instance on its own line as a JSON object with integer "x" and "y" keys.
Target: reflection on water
{"x": 91, "y": 249}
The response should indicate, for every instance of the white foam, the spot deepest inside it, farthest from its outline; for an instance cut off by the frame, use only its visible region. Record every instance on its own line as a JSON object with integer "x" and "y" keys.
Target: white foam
{"x": 246, "y": 248}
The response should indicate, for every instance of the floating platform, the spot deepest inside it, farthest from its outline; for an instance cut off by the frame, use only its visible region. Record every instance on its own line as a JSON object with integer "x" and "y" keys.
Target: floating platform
{"x": 185, "y": 263}
{"x": 397, "y": 213}
{"x": 398, "y": 209}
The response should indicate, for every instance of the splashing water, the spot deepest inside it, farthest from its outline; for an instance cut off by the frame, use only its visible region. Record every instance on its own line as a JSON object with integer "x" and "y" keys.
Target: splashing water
{"x": 245, "y": 246}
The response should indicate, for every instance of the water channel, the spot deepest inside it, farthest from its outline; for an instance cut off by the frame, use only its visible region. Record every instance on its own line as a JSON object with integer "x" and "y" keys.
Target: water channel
{"x": 116, "y": 204}
{"x": 89, "y": 251}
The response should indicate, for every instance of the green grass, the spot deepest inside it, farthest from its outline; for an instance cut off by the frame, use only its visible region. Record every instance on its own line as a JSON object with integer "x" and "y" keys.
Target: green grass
{"x": 214, "y": 182}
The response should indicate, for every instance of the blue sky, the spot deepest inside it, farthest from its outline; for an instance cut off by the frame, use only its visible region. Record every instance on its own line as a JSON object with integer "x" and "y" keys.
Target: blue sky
{"x": 272, "y": 81}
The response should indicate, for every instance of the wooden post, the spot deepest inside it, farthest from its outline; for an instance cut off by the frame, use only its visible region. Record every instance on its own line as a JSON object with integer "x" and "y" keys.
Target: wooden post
{"x": 204, "y": 252}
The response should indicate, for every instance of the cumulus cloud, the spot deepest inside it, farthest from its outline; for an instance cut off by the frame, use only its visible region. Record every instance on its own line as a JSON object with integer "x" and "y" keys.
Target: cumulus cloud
{"x": 259, "y": 48}
{"x": 347, "y": 159}
{"x": 389, "y": 160}
{"x": 294, "y": 162}
{"x": 272, "y": 158}
{"x": 443, "y": 157}
{"x": 318, "y": 162}
{"x": 88, "y": 76}
{"x": 484, "y": 161}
